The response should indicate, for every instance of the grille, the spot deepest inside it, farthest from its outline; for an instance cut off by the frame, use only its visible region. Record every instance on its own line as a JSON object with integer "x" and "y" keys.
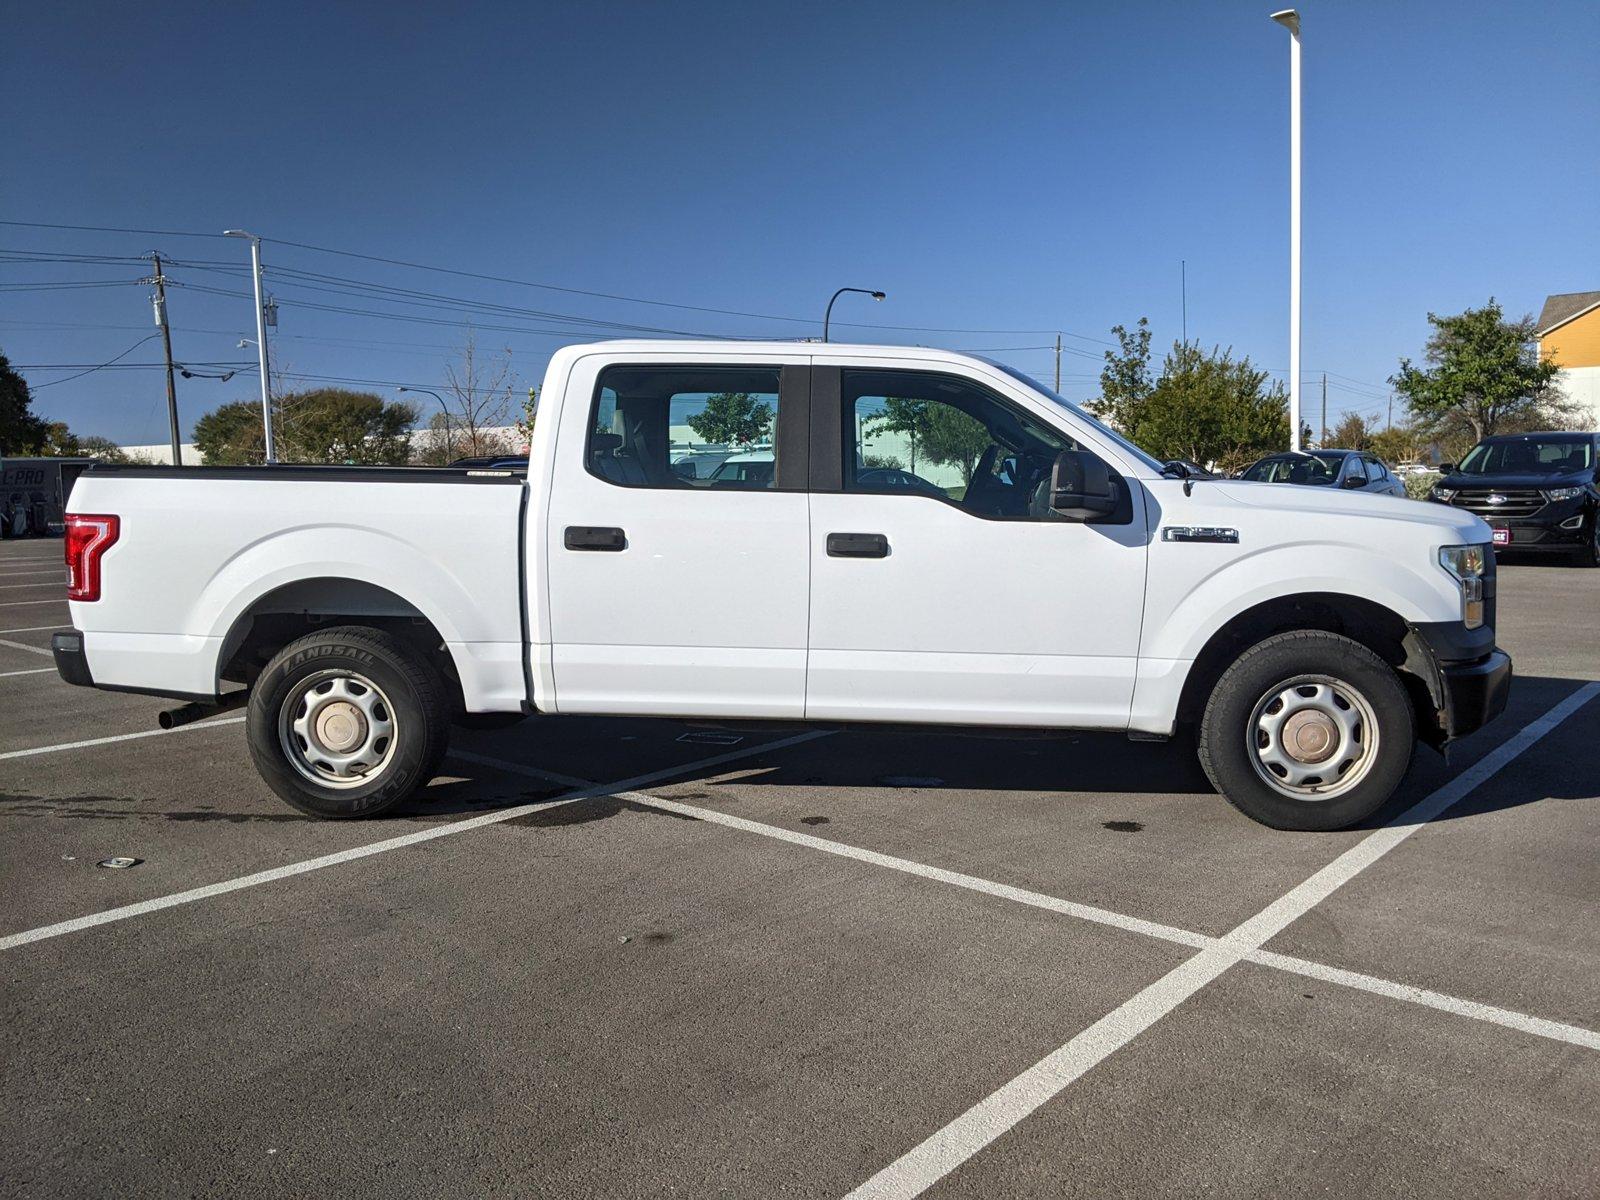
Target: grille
{"x": 1509, "y": 502}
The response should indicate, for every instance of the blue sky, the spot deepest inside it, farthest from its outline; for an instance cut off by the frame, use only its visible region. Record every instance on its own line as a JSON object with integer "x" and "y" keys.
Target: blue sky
{"x": 1020, "y": 167}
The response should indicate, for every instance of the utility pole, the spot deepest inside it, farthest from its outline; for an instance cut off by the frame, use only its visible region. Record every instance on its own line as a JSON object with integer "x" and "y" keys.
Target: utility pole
{"x": 166, "y": 345}
{"x": 1389, "y": 424}
{"x": 1324, "y": 442}
{"x": 1058, "y": 362}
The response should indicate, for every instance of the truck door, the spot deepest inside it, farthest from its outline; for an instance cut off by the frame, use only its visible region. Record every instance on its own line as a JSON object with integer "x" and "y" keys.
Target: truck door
{"x": 678, "y": 586}
{"x": 943, "y": 588}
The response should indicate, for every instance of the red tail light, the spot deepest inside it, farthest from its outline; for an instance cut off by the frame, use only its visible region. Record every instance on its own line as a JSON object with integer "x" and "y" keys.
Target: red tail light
{"x": 88, "y": 538}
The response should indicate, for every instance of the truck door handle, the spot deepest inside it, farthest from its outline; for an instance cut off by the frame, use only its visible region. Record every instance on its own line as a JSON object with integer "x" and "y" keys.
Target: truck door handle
{"x": 858, "y": 545}
{"x": 595, "y": 537}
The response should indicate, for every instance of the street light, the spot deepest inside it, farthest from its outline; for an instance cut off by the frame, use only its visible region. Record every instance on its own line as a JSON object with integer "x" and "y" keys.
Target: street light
{"x": 261, "y": 338}
{"x": 443, "y": 407}
{"x": 1290, "y": 20}
{"x": 828, "y": 313}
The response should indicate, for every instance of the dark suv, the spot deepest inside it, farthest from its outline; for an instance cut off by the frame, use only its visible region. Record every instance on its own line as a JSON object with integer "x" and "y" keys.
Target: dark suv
{"x": 1539, "y": 491}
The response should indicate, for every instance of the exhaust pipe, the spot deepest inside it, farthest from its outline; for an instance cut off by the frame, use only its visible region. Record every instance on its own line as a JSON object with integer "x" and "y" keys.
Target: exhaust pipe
{"x": 187, "y": 714}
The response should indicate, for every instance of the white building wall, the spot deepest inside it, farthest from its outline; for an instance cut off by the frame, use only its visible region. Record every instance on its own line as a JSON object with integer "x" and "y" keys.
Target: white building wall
{"x": 1582, "y": 385}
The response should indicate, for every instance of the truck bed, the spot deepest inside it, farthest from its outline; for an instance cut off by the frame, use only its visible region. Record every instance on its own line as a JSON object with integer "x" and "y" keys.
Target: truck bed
{"x": 204, "y": 551}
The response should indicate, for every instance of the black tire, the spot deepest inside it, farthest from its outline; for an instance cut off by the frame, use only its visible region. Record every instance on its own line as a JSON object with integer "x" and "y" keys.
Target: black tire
{"x": 1589, "y": 555}
{"x": 1308, "y": 662}
{"x": 410, "y": 700}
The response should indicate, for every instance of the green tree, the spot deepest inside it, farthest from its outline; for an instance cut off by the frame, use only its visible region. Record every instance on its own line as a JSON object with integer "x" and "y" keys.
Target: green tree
{"x": 733, "y": 419}
{"x": 1125, "y": 382}
{"x": 332, "y": 425}
{"x": 1396, "y": 445}
{"x": 954, "y": 439}
{"x": 230, "y": 436}
{"x": 909, "y": 418}
{"x": 1351, "y": 433}
{"x": 103, "y": 449}
{"x": 1205, "y": 406}
{"x": 21, "y": 432}
{"x": 1483, "y": 376}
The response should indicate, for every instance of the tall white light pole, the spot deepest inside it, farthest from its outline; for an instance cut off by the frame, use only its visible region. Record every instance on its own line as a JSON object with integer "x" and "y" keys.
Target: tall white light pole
{"x": 1290, "y": 20}
{"x": 261, "y": 339}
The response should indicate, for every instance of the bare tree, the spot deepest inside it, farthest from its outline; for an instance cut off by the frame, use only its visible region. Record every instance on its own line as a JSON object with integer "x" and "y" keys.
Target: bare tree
{"x": 478, "y": 406}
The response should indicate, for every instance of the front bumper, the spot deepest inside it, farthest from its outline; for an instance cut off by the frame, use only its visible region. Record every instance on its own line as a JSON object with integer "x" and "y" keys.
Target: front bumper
{"x": 1475, "y": 693}
{"x": 1467, "y": 677}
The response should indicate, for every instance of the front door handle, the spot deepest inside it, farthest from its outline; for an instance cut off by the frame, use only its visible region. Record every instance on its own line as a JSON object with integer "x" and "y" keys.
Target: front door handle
{"x": 595, "y": 537}
{"x": 858, "y": 545}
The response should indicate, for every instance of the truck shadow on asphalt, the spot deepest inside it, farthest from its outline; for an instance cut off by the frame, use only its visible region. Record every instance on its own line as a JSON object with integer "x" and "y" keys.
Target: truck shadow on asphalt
{"x": 1027, "y": 765}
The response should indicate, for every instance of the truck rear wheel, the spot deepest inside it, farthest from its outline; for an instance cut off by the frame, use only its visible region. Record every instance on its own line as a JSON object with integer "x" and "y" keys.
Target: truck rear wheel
{"x": 1309, "y": 731}
{"x": 347, "y": 722}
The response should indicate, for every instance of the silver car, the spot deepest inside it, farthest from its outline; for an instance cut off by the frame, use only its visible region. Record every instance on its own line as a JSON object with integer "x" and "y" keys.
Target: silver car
{"x": 1355, "y": 470}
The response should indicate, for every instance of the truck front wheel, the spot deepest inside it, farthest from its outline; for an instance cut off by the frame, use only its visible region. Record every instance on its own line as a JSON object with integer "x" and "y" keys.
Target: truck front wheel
{"x": 347, "y": 722}
{"x": 1307, "y": 730}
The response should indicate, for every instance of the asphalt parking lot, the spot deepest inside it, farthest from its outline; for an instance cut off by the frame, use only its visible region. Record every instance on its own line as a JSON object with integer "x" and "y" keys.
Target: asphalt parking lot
{"x": 617, "y": 958}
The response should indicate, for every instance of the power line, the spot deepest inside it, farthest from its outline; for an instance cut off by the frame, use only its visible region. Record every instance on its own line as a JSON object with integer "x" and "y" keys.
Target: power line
{"x": 101, "y": 367}
{"x": 416, "y": 266}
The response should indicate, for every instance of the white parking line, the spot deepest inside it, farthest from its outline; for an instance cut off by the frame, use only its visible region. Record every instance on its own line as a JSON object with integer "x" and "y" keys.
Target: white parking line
{"x": 120, "y": 737}
{"x": 1573, "y": 1034}
{"x": 58, "y": 573}
{"x": 20, "y": 603}
{"x": 33, "y": 671}
{"x": 34, "y": 628}
{"x": 999, "y": 1112}
{"x": 25, "y": 646}
{"x": 43, "y": 583}
{"x": 289, "y": 870}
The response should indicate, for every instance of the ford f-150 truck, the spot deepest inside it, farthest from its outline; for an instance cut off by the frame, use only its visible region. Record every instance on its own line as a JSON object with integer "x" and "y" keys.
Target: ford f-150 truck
{"x": 933, "y": 538}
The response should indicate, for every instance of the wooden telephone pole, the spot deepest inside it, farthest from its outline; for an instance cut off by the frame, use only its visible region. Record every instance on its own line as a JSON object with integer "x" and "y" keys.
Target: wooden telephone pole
{"x": 166, "y": 345}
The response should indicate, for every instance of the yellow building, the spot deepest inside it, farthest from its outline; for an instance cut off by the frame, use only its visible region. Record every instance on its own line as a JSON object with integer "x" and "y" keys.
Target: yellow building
{"x": 1569, "y": 335}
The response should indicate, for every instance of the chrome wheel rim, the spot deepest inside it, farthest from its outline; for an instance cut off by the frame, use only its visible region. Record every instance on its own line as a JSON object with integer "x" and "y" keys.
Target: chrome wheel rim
{"x": 1312, "y": 738}
{"x": 337, "y": 729}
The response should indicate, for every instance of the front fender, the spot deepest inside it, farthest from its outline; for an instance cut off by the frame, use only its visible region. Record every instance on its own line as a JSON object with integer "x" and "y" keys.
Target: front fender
{"x": 1186, "y": 608}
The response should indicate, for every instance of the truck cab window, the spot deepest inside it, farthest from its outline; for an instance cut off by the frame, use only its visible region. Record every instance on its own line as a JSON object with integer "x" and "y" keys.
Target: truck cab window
{"x": 947, "y": 438}
{"x": 685, "y": 427}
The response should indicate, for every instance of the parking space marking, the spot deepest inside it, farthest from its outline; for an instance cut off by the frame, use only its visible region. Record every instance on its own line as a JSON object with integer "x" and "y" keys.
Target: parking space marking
{"x": 1555, "y": 1030}
{"x": 289, "y": 870}
{"x": 24, "y": 646}
{"x": 17, "y": 587}
{"x": 33, "y": 628}
{"x": 120, "y": 737}
{"x": 1574, "y": 1034}
{"x": 20, "y": 603}
{"x": 32, "y": 671}
{"x": 1085, "y": 912}
{"x": 1000, "y": 1111}
{"x": 58, "y": 573}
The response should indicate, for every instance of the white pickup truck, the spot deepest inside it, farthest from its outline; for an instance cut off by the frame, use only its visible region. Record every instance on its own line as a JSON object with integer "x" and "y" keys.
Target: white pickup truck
{"x": 930, "y": 538}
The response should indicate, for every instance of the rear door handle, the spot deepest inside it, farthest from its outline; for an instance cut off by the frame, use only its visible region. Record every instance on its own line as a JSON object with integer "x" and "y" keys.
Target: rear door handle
{"x": 858, "y": 545}
{"x": 595, "y": 537}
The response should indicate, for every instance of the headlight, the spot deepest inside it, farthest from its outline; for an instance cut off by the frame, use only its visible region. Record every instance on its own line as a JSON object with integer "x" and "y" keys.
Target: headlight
{"x": 1468, "y": 565}
{"x": 1444, "y": 493}
{"x": 1571, "y": 493}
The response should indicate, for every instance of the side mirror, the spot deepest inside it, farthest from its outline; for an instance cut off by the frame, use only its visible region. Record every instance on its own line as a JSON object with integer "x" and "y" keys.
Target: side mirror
{"x": 1081, "y": 487}
{"x": 1353, "y": 482}
{"x": 684, "y": 469}
{"x": 1446, "y": 468}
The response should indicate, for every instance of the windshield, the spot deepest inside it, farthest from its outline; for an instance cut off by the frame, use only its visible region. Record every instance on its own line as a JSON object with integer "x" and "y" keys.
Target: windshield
{"x": 1529, "y": 456}
{"x": 1310, "y": 469}
{"x": 1111, "y": 434}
